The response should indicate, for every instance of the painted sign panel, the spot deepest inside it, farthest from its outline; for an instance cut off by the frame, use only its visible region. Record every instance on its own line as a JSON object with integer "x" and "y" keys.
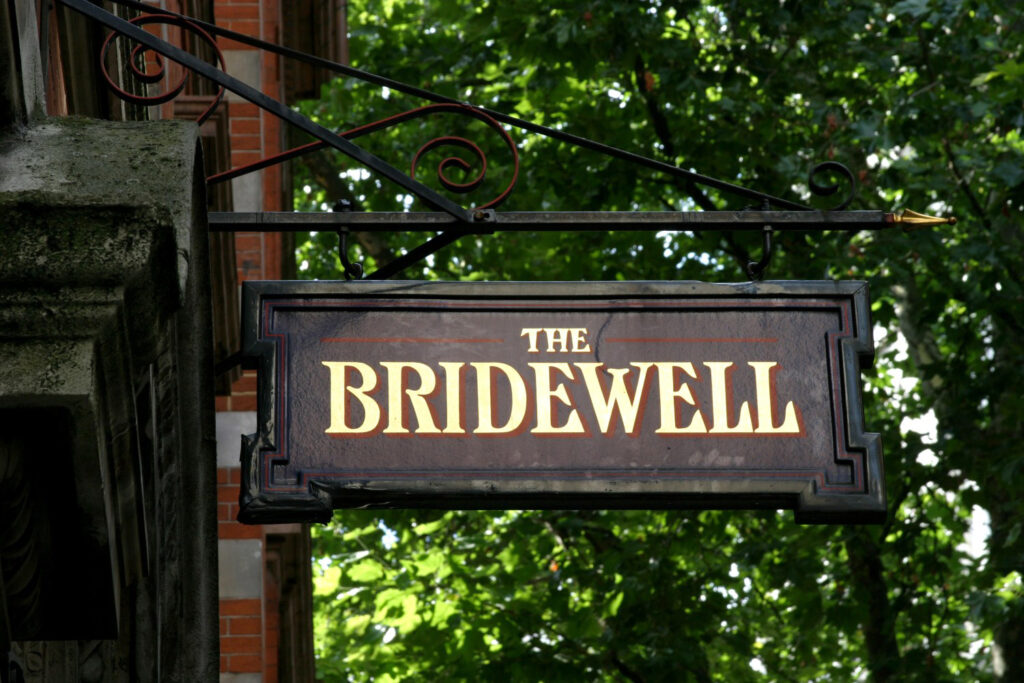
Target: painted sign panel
{"x": 559, "y": 395}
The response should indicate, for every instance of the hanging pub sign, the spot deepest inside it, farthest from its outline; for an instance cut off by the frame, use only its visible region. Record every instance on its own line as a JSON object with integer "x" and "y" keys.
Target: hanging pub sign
{"x": 559, "y": 395}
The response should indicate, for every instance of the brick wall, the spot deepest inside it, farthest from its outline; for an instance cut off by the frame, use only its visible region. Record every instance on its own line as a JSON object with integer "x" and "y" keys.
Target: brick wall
{"x": 241, "y": 636}
{"x": 265, "y": 572}
{"x": 249, "y": 621}
{"x": 243, "y": 395}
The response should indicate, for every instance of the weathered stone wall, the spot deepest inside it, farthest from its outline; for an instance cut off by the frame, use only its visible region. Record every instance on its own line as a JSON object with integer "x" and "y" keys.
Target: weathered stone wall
{"x": 106, "y": 406}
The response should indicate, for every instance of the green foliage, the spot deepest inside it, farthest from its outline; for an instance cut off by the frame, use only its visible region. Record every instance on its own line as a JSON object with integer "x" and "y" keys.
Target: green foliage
{"x": 922, "y": 100}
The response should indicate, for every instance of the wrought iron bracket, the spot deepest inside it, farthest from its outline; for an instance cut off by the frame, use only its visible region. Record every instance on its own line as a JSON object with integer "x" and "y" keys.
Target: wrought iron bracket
{"x": 278, "y": 109}
{"x": 450, "y": 220}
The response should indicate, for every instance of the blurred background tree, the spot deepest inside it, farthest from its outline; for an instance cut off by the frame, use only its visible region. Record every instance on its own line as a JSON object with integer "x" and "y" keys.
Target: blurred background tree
{"x": 922, "y": 99}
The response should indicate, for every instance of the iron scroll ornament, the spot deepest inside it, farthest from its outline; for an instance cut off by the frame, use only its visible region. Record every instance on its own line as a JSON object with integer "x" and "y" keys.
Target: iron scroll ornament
{"x": 411, "y": 185}
{"x": 828, "y": 190}
{"x": 138, "y": 67}
{"x": 410, "y": 115}
{"x": 779, "y": 213}
{"x": 427, "y": 195}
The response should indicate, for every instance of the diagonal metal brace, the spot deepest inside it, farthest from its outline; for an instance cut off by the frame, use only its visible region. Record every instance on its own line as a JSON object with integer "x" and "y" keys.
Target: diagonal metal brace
{"x": 430, "y": 197}
{"x": 575, "y": 140}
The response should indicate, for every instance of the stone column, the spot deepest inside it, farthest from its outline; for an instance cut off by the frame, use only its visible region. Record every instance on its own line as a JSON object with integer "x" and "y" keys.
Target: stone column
{"x": 106, "y": 404}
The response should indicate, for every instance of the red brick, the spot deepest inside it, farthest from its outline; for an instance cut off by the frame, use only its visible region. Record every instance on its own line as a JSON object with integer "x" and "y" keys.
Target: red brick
{"x": 245, "y": 384}
{"x": 272, "y": 250}
{"x": 235, "y": 11}
{"x": 244, "y": 157}
{"x": 272, "y": 202}
{"x": 240, "y": 607}
{"x": 225, "y": 44}
{"x": 246, "y": 26}
{"x": 222, "y": 475}
{"x": 273, "y": 130}
{"x": 247, "y": 241}
{"x": 271, "y": 29}
{"x": 245, "y": 127}
{"x": 250, "y": 261}
{"x": 235, "y": 475}
{"x": 241, "y": 644}
{"x": 223, "y": 663}
{"x": 250, "y": 270}
{"x": 244, "y": 142}
{"x": 245, "y": 664}
{"x": 224, "y": 625}
{"x": 227, "y": 494}
{"x": 243, "y": 110}
{"x": 221, "y": 404}
{"x": 245, "y": 625}
{"x": 232, "y": 530}
{"x": 224, "y": 512}
{"x": 239, "y": 403}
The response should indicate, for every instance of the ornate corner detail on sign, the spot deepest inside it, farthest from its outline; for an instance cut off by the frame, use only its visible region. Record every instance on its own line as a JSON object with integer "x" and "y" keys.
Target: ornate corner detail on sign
{"x": 260, "y": 501}
{"x": 560, "y": 395}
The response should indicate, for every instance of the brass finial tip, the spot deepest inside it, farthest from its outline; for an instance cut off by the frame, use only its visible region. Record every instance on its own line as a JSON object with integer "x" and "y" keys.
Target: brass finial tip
{"x": 912, "y": 220}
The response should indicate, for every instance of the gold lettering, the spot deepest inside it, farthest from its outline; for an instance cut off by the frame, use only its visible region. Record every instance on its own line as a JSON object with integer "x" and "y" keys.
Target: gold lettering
{"x": 454, "y": 422}
{"x": 397, "y": 391}
{"x": 618, "y": 398}
{"x": 617, "y": 395}
{"x": 721, "y": 399}
{"x": 668, "y": 394}
{"x": 485, "y": 399}
{"x": 339, "y": 417}
{"x": 557, "y": 336}
{"x": 765, "y": 404}
{"x": 545, "y": 394}
{"x": 579, "y": 340}
{"x": 531, "y": 335}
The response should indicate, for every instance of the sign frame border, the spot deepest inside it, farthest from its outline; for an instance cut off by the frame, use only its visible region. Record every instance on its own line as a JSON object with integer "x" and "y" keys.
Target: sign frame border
{"x": 321, "y": 497}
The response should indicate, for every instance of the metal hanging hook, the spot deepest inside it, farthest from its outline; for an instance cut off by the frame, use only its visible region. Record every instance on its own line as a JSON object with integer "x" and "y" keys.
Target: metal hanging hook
{"x": 351, "y": 270}
{"x": 756, "y": 269}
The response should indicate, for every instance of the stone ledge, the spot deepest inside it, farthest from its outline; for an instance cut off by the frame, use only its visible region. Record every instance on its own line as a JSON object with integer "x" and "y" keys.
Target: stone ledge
{"x": 92, "y": 201}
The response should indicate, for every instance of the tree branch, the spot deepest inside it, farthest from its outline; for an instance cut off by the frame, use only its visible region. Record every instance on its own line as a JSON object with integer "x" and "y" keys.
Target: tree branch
{"x": 962, "y": 183}
{"x": 879, "y": 626}
{"x": 664, "y": 134}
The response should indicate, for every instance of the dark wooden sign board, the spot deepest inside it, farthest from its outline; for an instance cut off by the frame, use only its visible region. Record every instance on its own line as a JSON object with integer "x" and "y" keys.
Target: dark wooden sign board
{"x": 559, "y": 395}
